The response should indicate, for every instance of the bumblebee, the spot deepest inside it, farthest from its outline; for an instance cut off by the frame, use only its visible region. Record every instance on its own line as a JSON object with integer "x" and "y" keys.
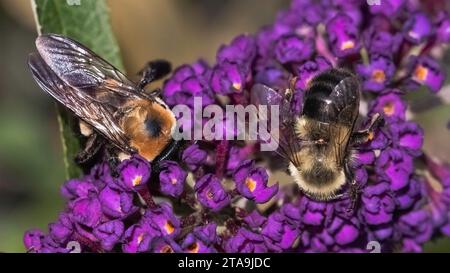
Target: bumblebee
{"x": 319, "y": 143}
{"x": 118, "y": 110}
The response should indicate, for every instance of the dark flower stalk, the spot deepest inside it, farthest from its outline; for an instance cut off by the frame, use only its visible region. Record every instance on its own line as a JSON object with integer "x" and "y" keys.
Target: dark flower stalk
{"x": 210, "y": 201}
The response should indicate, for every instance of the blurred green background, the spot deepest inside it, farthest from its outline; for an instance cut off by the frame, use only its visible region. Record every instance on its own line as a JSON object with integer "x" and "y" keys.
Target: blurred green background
{"x": 31, "y": 169}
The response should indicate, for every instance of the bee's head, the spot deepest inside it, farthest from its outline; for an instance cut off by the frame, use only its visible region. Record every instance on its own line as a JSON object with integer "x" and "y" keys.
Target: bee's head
{"x": 149, "y": 127}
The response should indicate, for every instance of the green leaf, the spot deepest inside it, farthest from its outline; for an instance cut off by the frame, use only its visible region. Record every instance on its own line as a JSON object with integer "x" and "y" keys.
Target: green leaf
{"x": 438, "y": 245}
{"x": 86, "y": 21}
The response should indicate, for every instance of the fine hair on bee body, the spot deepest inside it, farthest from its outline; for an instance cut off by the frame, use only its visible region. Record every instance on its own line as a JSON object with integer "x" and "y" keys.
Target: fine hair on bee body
{"x": 318, "y": 144}
{"x": 113, "y": 110}
{"x": 326, "y": 127}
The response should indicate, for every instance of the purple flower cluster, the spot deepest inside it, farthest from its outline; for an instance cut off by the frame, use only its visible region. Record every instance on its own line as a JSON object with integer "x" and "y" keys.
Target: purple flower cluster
{"x": 219, "y": 198}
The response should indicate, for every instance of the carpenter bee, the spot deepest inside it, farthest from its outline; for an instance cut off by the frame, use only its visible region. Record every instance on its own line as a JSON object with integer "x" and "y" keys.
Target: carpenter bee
{"x": 119, "y": 110}
{"x": 318, "y": 143}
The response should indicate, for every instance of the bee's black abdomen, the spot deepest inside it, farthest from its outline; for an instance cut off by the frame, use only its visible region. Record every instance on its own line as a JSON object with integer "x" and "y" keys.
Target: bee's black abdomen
{"x": 328, "y": 94}
{"x": 317, "y": 104}
{"x": 332, "y": 76}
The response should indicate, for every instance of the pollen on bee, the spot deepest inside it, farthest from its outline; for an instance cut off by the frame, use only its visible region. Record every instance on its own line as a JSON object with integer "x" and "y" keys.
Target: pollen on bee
{"x": 85, "y": 129}
{"x": 123, "y": 156}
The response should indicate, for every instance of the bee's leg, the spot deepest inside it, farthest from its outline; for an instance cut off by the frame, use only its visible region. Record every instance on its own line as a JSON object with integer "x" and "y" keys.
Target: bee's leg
{"x": 363, "y": 136}
{"x": 154, "y": 70}
{"x": 289, "y": 94}
{"x": 166, "y": 153}
{"x": 354, "y": 189}
{"x": 152, "y": 94}
{"x": 156, "y": 92}
{"x": 112, "y": 159}
{"x": 92, "y": 146}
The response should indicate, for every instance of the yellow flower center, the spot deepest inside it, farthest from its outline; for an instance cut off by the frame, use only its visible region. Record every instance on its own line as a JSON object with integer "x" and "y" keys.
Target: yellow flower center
{"x": 209, "y": 194}
{"x": 140, "y": 238}
{"x": 347, "y": 45}
{"x": 168, "y": 226}
{"x": 237, "y": 85}
{"x": 389, "y": 108}
{"x": 421, "y": 73}
{"x": 193, "y": 248}
{"x": 166, "y": 249}
{"x": 251, "y": 184}
{"x": 378, "y": 76}
{"x": 137, "y": 180}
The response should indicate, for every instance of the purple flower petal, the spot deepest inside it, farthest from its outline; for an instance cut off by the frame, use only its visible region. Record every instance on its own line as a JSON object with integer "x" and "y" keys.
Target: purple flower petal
{"x": 293, "y": 49}
{"x": 254, "y": 187}
{"x": 378, "y": 73}
{"x": 194, "y": 157}
{"x": 115, "y": 203}
{"x": 164, "y": 245}
{"x": 164, "y": 220}
{"x": 61, "y": 230}
{"x": 134, "y": 172}
{"x": 343, "y": 36}
{"x": 306, "y": 71}
{"x": 87, "y": 211}
{"x": 109, "y": 233}
{"x": 418, "y": 28}
{"x": 172, "y": 178}
{"x": 425, "y": 71}
{"x": 210, "y": 193}
{"x": 390, "y": 104}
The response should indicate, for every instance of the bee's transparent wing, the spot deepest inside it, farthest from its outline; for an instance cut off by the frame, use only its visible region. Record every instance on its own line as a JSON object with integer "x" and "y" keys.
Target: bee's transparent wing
{"x": 261, "y": 94}
{"x": 288, "y": 142}
{"x": 95, "y": 113}
{"x": 346, "y": 96}
{"x": 84, "y": 70}
{"x": 340, "y": 134}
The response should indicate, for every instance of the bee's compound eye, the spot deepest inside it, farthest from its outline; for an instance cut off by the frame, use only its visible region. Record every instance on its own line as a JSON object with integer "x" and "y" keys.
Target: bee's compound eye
{"x": 153, "y": 126}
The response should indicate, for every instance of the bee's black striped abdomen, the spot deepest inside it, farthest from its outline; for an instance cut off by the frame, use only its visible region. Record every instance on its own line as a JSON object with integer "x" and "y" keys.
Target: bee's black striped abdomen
{"x": 329, "y": 93}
